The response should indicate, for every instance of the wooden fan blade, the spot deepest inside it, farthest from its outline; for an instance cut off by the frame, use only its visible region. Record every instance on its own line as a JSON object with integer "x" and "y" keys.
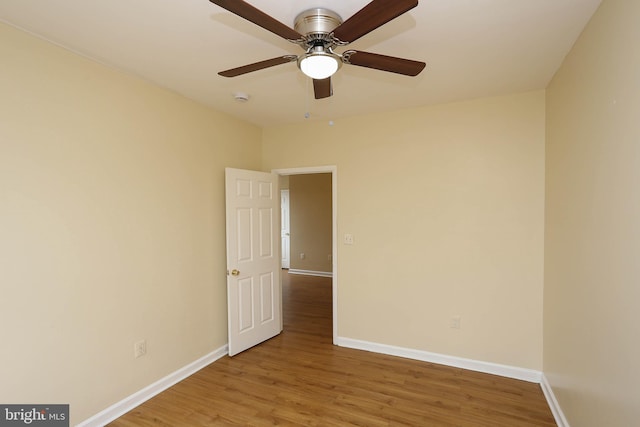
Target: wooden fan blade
{"x": 322, "y": 88}
{"x": 258, "y": 17}
{"x": 370, "y": 17}
{"x": 258, "y": 66}
{"x": 392, "y": 64}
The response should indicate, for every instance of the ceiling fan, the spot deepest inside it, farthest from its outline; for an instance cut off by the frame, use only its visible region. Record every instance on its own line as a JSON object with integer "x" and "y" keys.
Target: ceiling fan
{"x": 318, "y": 31}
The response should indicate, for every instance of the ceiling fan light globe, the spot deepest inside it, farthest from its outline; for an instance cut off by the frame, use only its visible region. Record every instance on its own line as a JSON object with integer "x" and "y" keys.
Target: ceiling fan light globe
{"x": 319, "y": 66}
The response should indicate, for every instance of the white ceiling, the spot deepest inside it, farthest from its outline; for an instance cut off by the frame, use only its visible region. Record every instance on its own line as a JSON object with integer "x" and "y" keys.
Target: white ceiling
{"x": 473, "y": 48}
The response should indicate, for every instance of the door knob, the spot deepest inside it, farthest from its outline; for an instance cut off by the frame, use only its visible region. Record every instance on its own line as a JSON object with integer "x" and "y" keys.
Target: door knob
{"x": 235, "y": 272}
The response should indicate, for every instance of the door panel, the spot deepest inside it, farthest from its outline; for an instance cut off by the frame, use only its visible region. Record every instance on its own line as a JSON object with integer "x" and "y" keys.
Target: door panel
{"x": 243, "y": 225}
{"x": 266, "y": 233}
{"x": 253, "y": 258}
{"x": 267, "y": 297}
{"x": 245, "y": 304}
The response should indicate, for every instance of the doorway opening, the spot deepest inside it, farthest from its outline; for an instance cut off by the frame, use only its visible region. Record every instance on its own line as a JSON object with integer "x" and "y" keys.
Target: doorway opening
{"x": 334, "y": 209}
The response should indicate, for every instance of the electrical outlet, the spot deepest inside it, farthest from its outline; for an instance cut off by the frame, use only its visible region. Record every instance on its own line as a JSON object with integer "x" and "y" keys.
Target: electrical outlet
{"x": 455, "y": 322}
{"x": 139, "y": 348}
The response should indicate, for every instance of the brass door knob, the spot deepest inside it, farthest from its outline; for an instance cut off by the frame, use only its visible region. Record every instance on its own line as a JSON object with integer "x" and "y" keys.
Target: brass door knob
{"x": 235, "y": 272}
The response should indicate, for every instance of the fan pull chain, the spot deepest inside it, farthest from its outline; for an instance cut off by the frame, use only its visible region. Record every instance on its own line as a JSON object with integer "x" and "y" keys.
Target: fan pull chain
{"x": 306, "y": 113}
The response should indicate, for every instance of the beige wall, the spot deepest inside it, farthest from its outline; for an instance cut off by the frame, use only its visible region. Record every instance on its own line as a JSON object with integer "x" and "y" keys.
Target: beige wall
{"x": 283, "y": 182}
{"x": 446, "y": 205}
{"x": 111, "y": 227}
{"x": 310, "y": 221}
{"x": 592, "y": 294}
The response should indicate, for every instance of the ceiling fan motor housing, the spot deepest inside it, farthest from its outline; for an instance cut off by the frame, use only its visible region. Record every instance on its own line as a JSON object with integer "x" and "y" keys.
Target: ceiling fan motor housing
{"x": 316, "y": 25}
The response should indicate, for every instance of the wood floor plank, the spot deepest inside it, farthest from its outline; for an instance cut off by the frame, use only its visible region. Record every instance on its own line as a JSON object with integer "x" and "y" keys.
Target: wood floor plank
{"x": 300, "y": 378}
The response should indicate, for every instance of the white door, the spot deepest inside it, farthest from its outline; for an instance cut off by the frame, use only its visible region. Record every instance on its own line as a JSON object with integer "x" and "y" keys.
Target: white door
{"x": 253, "y": 258}
{"x": 285, "y": 233}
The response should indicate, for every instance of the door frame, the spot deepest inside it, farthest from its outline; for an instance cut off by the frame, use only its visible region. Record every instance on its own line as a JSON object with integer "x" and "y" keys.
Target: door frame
{"x": 334, "y": 229}
{"x": 288, "y": 260}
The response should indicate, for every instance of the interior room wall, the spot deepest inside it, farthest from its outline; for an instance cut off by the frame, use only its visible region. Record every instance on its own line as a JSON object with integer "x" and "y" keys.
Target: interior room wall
{"x": 592, "y": 241}
{"x": 111, "y": 227}
{"x": 446, "y": 206}
{"x": 310, "y": 222}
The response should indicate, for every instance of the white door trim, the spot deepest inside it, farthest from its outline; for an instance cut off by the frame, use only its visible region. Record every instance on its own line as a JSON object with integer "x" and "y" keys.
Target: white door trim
{"x": 285, "y": 235}
{"x": 333, "y": 170}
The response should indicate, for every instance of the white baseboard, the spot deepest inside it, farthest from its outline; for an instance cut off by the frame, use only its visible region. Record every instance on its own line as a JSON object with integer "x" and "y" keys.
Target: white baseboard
{"x": 524, "y": 374}
{"x": 558, "y": 415}
{"x": 310, "y": 272}
{"x": 128, "y": 403}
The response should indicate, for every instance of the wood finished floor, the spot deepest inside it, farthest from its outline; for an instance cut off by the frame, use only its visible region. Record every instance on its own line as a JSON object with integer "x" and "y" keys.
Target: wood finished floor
{"x": 300, "y": 378}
